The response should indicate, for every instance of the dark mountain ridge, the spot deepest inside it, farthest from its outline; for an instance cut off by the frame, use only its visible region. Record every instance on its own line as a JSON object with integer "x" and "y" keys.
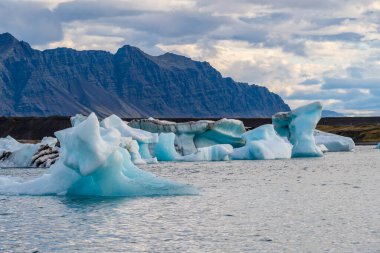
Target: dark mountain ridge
{"x": 129, "y": 83}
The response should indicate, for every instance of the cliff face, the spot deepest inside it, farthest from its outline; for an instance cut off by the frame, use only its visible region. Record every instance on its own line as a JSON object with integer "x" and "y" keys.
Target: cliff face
{"x": 129, "y": 83}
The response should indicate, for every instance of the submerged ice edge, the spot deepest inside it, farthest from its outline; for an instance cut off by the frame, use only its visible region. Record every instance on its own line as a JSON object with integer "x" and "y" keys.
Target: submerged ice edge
{"x": 93, "y": 164}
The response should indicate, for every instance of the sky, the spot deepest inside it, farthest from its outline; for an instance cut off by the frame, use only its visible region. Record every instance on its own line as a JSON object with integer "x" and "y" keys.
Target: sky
{"x": 325, "y": 50}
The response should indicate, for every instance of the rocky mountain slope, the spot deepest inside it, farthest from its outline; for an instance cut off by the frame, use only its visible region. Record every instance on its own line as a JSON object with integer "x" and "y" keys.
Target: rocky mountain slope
{"x": 129, "y": 83}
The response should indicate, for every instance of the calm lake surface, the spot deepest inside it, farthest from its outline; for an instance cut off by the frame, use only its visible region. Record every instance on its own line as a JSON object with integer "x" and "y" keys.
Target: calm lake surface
{"x": 329, "y": 204}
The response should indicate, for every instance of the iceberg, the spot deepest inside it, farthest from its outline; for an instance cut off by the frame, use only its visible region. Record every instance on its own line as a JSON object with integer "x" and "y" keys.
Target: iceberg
{"x": 78, "y": 118}
{"x": 378, "y": 146}
{"x": 139, "y": 135}
{"x": 15, "y": 154}
{"x": 263, "y": 143}
{"x": 45, "y": 156}
{"x": 133, "y": 148}
{"x": 92, "y": 163}
{"x": 165, "y": 149}
{"x": 322, "y": 148}
{"x": 190, "y": 136}
{"x": 219, "y": 152}
{"x": 298, "y": 126}
{"x": 143, "y": 138}
{"x": 333, "y": 142}
{"x": 49, "y": 141}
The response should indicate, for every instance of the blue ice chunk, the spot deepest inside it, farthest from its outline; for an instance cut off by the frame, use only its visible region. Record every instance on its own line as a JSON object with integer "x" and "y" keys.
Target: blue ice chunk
{"x": 298, "y": 125}
{"x": 263, "y": 143}
{"x": 93, "y": 164}
{"x": 218, "y": 152}
{"x": 165, "y": 149}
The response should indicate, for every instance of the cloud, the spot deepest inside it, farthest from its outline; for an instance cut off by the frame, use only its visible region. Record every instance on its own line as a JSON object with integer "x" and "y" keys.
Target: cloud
{"x": 313, "y": 81}
{"x": 350, "y": 83}
{"x": 30, "y": 21}
{"x": 304, "y": 50}
{"x": 348, "y": 37}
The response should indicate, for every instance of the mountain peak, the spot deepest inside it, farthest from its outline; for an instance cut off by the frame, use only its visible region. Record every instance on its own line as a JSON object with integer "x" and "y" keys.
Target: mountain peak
{"x": 129, "y": 49}
{"x": 7, "y": 40}
{"x": 129, "y": 83}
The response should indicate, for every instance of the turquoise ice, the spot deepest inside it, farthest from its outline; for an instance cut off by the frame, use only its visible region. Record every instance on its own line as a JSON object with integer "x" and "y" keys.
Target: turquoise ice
{"x": 298, "y": 125}
{"x": 263, "y": 143}
{"x": 92, "y": 163}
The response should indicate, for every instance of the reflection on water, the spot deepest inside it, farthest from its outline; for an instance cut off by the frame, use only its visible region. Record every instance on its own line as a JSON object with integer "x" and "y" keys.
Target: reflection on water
{"x": 245, "y": 206}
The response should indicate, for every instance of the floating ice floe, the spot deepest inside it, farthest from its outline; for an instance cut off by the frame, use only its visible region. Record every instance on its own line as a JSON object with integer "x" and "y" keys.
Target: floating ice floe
{"x": 15, "y": 154}
{"x": 218, "y": 152}
{"x": 298, "y": 126}
{"x": 190, "y": 136}
{"x": 92, "y": 163}
{"x": 334, "y": 142}
{"x": 263, "y": 143}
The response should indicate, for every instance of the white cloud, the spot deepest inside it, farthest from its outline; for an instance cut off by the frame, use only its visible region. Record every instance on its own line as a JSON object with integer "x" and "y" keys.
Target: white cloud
{"x": 278, "y": 44}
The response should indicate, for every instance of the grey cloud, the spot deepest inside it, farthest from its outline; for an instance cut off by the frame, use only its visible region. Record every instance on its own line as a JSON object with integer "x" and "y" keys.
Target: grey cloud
{"x": 325, "y": 22}
{"x": 355, "y": 72}
{"x": 349, "y": 37}
{"x": 350, "y": 83}
{"x": 288, "y": 4}
{"x": 325, "y": 95}
{"x": 86, "y": 10}
{"x": 310, "y": 82}
{"x": 268, "y": 18}
{"x": 30, "y": 21}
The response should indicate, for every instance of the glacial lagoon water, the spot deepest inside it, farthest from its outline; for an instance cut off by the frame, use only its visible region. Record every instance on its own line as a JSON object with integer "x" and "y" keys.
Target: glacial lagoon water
{"x": 329, "y": 204}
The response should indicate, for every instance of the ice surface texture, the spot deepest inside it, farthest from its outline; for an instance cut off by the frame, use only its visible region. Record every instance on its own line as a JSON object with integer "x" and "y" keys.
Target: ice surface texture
{"x": 165, "y": 149}
{"x": 263, "y": 143}
{"x": 20, "y": 155}
{"x": 93, "y": 163}
{"x": 298, "y": 125}
{"x": 333, "y": 142}
{"x": 143, "y": 138}
{"x": 190, "y": 136}
{"x": 217, "y": 152}
{"x": 78, "y": 118}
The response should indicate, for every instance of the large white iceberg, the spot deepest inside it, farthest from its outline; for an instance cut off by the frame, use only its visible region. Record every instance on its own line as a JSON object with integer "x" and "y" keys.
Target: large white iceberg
{"x": 298, "y": 125}
{"x": 333, "y": 142}
{"x": 93, "y": 163}
{"x": 263, "y": 143}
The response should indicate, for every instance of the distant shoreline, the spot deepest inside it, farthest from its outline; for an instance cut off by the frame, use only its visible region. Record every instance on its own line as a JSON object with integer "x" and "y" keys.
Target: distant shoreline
{"x": 363, "y": 130}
